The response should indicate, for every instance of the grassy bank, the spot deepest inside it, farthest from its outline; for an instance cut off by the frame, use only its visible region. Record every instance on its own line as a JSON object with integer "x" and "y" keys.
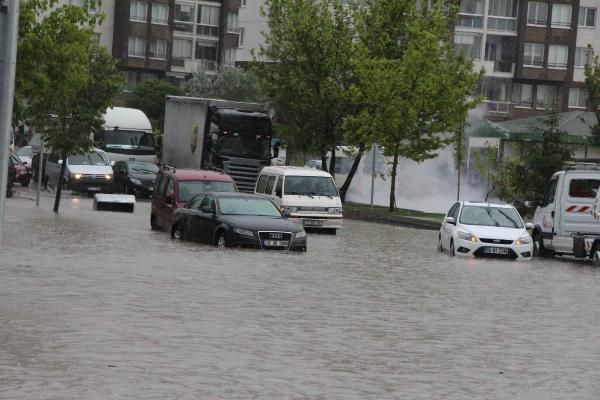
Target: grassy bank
{"x": 400, "y": 212}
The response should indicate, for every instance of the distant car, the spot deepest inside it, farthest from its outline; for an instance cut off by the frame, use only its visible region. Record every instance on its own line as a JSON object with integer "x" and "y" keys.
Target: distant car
{"x": 175, "y": 187}
{"x": 12, "y": 175}
{"x": 25, "y": 154}
{"x": 480, "y": 229}
{"x": 237, "y": 219}
{"x": 23, "y": 171}
{"x": 86, "y": 173}
{"x": 135, "y": 177}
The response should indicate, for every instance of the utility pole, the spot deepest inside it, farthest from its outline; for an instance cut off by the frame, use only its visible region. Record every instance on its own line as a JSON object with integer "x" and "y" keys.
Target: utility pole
{"x": 9, "y": 22}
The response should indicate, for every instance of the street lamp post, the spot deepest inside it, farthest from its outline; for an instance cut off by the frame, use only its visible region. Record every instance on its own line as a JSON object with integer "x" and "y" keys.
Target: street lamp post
{"x": 9, "y": 21}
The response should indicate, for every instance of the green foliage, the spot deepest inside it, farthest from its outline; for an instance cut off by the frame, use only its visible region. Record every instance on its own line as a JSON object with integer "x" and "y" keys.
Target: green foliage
{"x": 65, "y": 80}
{"x": 229, "y": 83}
{"x": 150, "y": 97}
{"x": 312, "y": 44}
{"x": 531, "y": 170}
{"x": 409, "y": 83}
{"x": 592, "y": 89}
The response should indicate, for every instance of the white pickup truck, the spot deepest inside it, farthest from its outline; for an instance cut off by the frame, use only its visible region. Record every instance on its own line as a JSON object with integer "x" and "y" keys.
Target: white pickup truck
{"x": 564, "y": 216}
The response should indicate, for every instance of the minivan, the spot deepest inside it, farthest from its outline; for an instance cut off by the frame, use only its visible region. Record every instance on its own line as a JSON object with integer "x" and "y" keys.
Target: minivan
{"x": 307, "y": 195}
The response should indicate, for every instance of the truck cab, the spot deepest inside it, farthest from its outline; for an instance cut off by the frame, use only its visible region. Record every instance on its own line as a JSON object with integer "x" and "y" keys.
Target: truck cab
{"x": 566, "y": 211}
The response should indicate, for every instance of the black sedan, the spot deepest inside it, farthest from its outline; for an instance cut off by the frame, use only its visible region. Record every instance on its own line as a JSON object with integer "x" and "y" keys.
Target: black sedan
{"x": 135, "y": 177}
{"x": 237, "y": 219}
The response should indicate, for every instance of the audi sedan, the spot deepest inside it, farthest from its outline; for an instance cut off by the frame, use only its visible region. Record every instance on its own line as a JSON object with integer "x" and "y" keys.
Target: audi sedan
{"x": 237, "y": 219}
{"x": 481, "y": 229}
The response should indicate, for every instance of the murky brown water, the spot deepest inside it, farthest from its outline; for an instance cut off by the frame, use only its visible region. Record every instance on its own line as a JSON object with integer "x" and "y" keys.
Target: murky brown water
{"x": 96, "y": 306}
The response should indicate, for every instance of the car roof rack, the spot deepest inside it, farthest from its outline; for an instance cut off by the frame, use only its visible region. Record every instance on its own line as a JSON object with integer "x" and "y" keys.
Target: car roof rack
{"x": 581, "y": 165}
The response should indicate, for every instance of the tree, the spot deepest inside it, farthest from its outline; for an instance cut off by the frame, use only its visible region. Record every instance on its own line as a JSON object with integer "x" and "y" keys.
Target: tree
{"x": 65, "y": 79}
{"x": 592, "y": 90}
{"x": 413, "y": 87}
{"x": 229, "y": 83}
{"x": 311, "y": 43}
{"x": 150, "y": 97}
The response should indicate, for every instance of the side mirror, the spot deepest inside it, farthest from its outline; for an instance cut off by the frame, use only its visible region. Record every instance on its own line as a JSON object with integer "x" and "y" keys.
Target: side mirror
{"x": 450, "y": 220}
{"x": 207, "y": 209}
{"x": 112, "y": 163}
{"x": 529, "y": 226}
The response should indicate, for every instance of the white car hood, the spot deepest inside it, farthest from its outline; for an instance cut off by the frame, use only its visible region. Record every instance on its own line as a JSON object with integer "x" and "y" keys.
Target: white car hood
{"x": 314, "y": 201}
{"x": 493, "y": 232}
{"x": 91, "y": 169}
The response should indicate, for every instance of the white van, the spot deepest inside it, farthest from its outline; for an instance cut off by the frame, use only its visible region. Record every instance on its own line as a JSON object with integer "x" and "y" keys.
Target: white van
{"x": 86, "y": 173}
{"x": 565, "y": 211}
{"x": 305, "y": 194}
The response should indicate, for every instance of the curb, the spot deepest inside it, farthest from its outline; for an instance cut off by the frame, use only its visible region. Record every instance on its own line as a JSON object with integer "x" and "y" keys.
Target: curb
{"x": 408, "y": 222}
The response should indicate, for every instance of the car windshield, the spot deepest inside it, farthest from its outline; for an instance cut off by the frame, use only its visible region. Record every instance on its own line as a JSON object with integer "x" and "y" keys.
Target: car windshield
{"x": 15, "y": 159}
{"x": 93, "y": 158}
{"x": 25, "y": 151}
{"x": 491, "y": 216}
{"x": 140, "y": 167}
{"x": 310, "y": 186}
{"x": 248, "y": 206}
{"x": 187, "y": 189}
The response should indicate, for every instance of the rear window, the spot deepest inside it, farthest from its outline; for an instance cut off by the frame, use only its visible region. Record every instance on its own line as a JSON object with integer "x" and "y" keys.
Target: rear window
{"x": 584, "y": 188}
{"x": 187, "y": 189}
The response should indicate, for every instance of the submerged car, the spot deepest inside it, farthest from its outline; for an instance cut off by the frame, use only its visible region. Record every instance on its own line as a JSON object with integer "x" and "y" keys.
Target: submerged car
{"x": 230, "y": 219}
{"x": 481, "y": 229}
{"x": 135, "y": 177}
{"x": 23, "y": 170}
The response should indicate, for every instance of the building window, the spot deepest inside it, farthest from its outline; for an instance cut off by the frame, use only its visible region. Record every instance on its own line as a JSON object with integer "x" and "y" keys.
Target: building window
{"x": 583, "y": 57}
{"x": 206, "y": 51}
{"x": 137, "y": 47}
{"x": 533, "y": 55}
{"x": 130, "y": 80}
{"x": 158, "y": 49}
{"x": 537, "y": 13}
{"x": 208, "y": 20}
{"x": 502, "y": 15}
{"x": 587, "y": 17}
{"x": 182, "y": 49}
{"x": 494, "y": 89}
{"x": 561, "y": 16}
{"x": 522, "y": 94}
{"x": 470, "y": 14}
{"x": 184, "y": 18}
{"x": 243, "y": 3}
{"x": 577, "y": 98}
{"x": 230, "y": 56}
{"x": 558, "y": 56}
{"x": 160, "y": 13}
{"x": 545, "y": 96}
{"x": 96, "y": 37}
{"x": 241, "y": 37}
{"x": 138, "y": 10}
{"x": 232, "y": 22}
{"x": 469, "y": 44}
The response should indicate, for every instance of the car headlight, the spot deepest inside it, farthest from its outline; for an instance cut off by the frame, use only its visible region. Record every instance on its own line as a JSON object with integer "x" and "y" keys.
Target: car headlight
{"x": 300, "y": 235}
{"x": 136, "y": 181}
{"x": 108, "y": 177}
{"x": 289, "y": 210}
{"x": 334, "y": 210}
{"x": 525, "y": 239}
{"x": 467, "y": 236}
{"x": 243, "y": 232}
{"x": 77, "y": 176}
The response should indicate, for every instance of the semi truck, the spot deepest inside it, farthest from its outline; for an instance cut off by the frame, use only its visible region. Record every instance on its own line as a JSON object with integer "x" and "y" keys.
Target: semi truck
{"x": 234, "y": 137}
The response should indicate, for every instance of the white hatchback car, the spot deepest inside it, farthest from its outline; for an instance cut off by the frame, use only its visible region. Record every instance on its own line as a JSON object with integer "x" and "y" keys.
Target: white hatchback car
{"x": 481, "y": 229}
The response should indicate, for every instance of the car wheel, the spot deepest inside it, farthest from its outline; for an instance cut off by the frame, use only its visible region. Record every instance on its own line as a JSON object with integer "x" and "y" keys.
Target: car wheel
{"x": 596, "y": 259}
{"x": 177, "y": 233}
{"x": 153, "y": 225}
{"x": 221, "y": 241}
{"x": 452, "y": 253}
{"x": 538, "y": 246}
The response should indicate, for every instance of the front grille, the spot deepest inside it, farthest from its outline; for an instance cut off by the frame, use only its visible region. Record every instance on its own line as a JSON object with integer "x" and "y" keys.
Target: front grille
{"x": 280, "y": 236}
{"x": 316, "y": 209}
{"x": 244, "y": 175}
{"x": 481, "y": 252}
{"x": 93, "y": 177}
{"x": 496, "y": 241}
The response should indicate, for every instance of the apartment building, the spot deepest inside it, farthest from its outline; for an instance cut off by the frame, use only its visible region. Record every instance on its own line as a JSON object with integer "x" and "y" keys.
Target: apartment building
{"x": 533, "y": 52}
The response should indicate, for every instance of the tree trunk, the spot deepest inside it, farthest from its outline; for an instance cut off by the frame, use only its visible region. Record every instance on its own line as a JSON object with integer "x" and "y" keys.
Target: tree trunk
{"x": 332, "y": 162}
{"x": 346, "y": 185}
{"x": 59, "y": 184}
{"x": 393, "y": 188}
{"x": 324, "y": 161}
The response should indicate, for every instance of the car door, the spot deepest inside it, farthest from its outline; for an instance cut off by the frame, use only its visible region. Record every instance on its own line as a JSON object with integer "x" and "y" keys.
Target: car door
{"x": 206, "y": 219}
{"x": 545, "y": 213}
{"x": 193, "y": 224}
{"x": 53, "y": 168}
{"x": 276, "y": 198}
{"x": 120, "y": 175}
{"x": 448, "y": 228}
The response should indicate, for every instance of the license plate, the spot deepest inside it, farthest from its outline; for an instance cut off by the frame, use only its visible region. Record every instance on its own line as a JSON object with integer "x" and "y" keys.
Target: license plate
{"x": 94, "y": 189}
{"x": 496, "y": 250}
{"x": 276, "y": 243}
{"x": 312, "y": 222}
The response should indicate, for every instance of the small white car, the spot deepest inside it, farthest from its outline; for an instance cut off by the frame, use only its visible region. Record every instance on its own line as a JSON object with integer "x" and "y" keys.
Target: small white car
{"x": 481, "y": 229}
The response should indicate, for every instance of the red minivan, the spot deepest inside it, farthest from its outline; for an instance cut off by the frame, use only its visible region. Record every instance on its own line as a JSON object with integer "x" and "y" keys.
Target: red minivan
{"x": 174, "y": 187}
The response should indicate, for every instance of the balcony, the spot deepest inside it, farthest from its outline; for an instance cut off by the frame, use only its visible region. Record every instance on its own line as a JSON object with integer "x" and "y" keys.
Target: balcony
{"x": 469, "y": 21}
{"x": 497, "y": 107}
{"x": 505, "y": 24}
{"x": 207, "y": 30}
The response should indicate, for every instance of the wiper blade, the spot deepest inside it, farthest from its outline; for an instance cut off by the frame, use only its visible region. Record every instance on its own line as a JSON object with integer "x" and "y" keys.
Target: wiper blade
{"x": 322, "y": 194}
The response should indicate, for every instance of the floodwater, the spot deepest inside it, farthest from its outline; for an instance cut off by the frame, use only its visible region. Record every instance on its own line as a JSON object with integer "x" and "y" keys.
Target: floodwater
{"x": 95, "y": 305}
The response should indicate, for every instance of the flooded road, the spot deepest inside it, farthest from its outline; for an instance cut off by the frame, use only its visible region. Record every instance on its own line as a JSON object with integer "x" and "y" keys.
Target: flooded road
{"x": 97, "y": 306}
